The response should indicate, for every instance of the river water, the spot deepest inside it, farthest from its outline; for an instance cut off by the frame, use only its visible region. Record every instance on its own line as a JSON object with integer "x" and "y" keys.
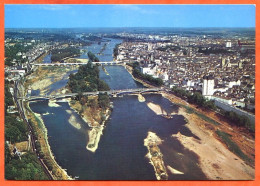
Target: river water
{"x": 106, "y": 54}
{"x": 121, "y": 151}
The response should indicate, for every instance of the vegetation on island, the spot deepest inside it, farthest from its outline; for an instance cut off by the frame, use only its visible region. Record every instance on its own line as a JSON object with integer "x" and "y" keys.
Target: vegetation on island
{"x": 27, "y": 166}
{"x": 93, "y": 109}
{"x": 59, "y": 54}
{"x": 92, "y": 57}
{"x": 87, "y": 80}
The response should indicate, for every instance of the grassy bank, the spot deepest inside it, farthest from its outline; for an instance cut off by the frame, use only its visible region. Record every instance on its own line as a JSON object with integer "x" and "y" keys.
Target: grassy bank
{"x": 232, "y": 146}
{"x": 42, "y": 145}
{"x": 225, "y": 137}
{"x": 190, "y": 110}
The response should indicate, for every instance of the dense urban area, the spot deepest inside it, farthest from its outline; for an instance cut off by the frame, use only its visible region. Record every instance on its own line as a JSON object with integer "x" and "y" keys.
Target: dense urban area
{"x": 205, "y": 70}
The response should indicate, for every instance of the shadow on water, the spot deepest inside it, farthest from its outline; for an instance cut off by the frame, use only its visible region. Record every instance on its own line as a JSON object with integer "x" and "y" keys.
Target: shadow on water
{"x": 121, "y": 152}
{"x": 169, "y": 107}
{"x": 174, "y": 154}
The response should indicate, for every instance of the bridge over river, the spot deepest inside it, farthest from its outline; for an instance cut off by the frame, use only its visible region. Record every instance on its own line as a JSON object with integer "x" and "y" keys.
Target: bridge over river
{"x": 110, "y": 92}
{"x": 78, "y": 63}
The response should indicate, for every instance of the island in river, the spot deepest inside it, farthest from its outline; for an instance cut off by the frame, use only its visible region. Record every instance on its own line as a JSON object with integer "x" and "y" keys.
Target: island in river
{"x": 94, "y": 110}
{"x": 181, "y": 146}
{"x": 204, "y": 140}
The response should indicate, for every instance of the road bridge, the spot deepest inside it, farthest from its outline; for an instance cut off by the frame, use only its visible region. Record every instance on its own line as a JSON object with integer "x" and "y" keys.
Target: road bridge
{"x": 78, "y": 63}
{"x": 110, "y": 92}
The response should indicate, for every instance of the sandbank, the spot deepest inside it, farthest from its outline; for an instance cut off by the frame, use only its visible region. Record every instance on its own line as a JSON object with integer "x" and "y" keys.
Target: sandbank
{"x": 216, "y": 161}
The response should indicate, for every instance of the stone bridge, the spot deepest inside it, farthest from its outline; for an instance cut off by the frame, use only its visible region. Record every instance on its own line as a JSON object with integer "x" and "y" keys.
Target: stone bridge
{"x": 110, "y": 92}
{"x": 78, "y": 63}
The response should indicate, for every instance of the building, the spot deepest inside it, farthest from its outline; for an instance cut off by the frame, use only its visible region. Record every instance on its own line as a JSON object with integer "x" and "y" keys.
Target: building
{"x": 208, "y": 86}
{"x": 229, "y": 44}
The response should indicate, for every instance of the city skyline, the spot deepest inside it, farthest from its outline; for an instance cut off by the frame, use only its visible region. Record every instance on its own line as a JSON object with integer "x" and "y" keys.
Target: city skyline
{"x": 73, "y": 16}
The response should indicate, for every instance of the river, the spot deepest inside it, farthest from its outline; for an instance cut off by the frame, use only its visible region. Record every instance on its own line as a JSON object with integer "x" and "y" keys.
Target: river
{"x": 121, "y": 154}
{"x": 106, "y": 54}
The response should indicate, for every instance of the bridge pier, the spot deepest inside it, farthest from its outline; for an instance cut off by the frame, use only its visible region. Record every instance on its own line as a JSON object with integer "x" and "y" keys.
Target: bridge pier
{"x": 113, "y": 93}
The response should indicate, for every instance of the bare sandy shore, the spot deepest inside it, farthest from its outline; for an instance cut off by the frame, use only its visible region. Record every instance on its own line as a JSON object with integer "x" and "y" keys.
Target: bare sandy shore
{"x": 52, "y": 103}
{"x": 141, "y": 98}
{"x": 41, "y": 84}
{"x": 173, "y": 171}
{"x": 95, "y": 135}
{"x": 73, "y": 120}
{"x": 216, "y": 161}
{"x": 157, "y": 109}
{"x": 49, "y": 148}
{"x": 45, "y": 78}
{"x": 155, "y": 156}
{"x": 94, "y": 138}
{"x": 96, "y": 130}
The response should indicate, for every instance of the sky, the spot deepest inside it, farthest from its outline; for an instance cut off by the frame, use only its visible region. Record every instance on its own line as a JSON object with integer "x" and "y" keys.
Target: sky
{"x": 84, "y": 16}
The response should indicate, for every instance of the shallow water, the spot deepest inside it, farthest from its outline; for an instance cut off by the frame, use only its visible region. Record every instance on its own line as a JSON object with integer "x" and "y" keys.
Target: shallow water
{"x": 121, "y": 151}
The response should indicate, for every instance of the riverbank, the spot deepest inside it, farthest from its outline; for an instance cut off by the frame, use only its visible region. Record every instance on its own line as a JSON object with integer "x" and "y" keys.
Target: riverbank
{"x": 73, "y": 121}
{"x": 40, "y": 80}
{"x": 92, "y": 117}
{"x": 157, "y": 109}
{"x": 45, "y": 151}
{"x": 95, "y": 135}
{"x": 215, "y": 159}
{"x": 44, "y": 77}
{"x": 141, "y": 98}
{"x": 105, "y": 70}
{"x": 155, "y": 156}
{"x": 130, "y": 70}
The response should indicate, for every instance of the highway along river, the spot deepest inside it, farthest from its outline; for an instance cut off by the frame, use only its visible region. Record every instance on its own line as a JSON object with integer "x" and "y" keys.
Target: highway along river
{"x": 121, "y": 154}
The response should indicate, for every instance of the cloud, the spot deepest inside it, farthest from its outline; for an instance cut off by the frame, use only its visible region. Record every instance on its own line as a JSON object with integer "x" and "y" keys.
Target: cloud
{"x": 55, "y": 7}
{"x": 136, "y": 8}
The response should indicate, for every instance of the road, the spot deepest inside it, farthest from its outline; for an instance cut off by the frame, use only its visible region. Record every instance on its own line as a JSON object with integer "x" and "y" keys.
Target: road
{"x": 122, "y": 91}
{"x": 78, "y": 63}
{"x": 31, "y": 133}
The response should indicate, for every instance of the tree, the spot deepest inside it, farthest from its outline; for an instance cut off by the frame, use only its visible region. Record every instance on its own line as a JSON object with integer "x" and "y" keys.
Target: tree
{"x": 103, "y": 101}
{"x": 83, "y": 100}
{"x": 93, "y": 103}
{"x": 59, "y": 54}
{"x": 92, "y": 57}
{"x": 155, "y": 81}
{"x": 28, "y": 168}
{"x": 102, "y": 85}
{"x": 7, "y": 154}
{"x": 8, "y": 97}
